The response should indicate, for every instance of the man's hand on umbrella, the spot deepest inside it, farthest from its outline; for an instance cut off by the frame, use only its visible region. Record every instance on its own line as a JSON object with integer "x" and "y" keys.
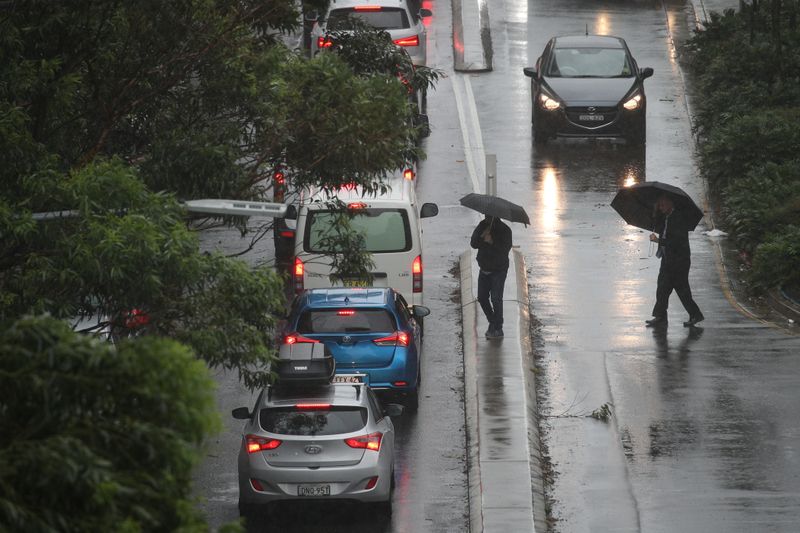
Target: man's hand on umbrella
{"x": 487, "y": 235}
{"x": 653, "y": 237}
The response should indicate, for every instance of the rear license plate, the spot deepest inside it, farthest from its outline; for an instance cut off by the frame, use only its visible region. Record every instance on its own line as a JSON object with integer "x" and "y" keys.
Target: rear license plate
{"x": 313, "y": 490}
{"x": 355, "y": 283}
{"x": 591, "y": 118}
{"x": 349, "y": 378}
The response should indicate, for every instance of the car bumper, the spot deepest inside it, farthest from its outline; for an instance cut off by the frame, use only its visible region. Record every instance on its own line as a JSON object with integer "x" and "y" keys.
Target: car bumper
{"x": 346, "y": 482}
{"x": 402, "y": 368}
{"x": 567, "y": 123}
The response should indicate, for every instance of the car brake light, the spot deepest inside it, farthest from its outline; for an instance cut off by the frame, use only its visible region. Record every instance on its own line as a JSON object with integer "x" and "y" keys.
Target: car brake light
{"x": 296, "y": 338}
{"x": 367, "y": 8}
{"x": 371, "y": 483}
{"x": 256, "y": 485}
{"x": 324, "y": 42}
{"x": 299, "y": 271}
{"x": 400, "y": 383}
{"x": 398, "y": 338}
{"x": 407, "y": 41}
{"x": 346, "y": 312}
{"x": 368, "y": 442}
{"x": 416, "y": 274}
{"x": 408, "y": 174}
{"x": 259, "y": 444}
{"x": 356, "y": 205}
{"x": 321, "y": 406}
{"x": 287, "y": 234}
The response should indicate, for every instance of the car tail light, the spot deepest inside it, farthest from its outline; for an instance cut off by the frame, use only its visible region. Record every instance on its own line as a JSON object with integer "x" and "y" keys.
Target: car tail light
{"x": 367, "y": 442}
{"x": 416, "y": 274}
{"x": 324, "y": 42}
{"x": 259, "y": 444}
{"x": 256, "y": 485}
{"x": 408, "y": 174}
{"x": 356, "y": 205}
{"x": 400, "y": 383}
{"x": 407, "y": 41}
{"x": 321, "y": 406}
{"x": 371, "y": 483}
{"x": 287, "y": 233}
{"x": 367, "y": 8}
{"x": 296, "y": 338}
{"x": 346, "y": 312}
{"x": 299, "y": 271}
{"x": 398, "y": 338}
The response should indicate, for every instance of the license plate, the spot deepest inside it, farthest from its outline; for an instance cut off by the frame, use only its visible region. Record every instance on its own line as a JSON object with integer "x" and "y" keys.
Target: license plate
{"x": 313, "y": 490}
{"x": 349, "y": 378}
{"x": 355, "y": 283}
{"x": 591, "y": 118}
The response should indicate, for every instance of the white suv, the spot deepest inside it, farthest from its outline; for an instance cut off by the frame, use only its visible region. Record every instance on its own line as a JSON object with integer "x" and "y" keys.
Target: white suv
{"x": 400, "y": 18}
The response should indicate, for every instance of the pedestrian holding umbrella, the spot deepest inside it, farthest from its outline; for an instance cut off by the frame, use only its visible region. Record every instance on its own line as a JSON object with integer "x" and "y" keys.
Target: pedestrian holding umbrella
{"x": 492, "y": 239}
{"x": 670, "y": 214}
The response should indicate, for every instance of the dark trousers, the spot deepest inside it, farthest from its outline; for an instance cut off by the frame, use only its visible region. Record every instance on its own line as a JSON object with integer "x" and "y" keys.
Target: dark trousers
{"x": 674, "y": 277}
{"x": 490, "y": 296}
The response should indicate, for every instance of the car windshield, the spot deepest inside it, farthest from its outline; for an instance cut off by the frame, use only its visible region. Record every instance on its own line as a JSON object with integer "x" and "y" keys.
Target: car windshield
{"x": 380, "y": 18}
{"x": 332, "y": 420}
{"x": 345, "y": 321}
{"x": 589, "y": 63}
{"x": 384, "y": 230}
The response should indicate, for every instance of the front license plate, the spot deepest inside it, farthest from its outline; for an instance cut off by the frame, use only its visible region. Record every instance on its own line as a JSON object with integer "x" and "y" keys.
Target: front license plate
{"x": 591, "y": 118}
{"x": 355, "y": 283}
{"x": 313, "y": 490}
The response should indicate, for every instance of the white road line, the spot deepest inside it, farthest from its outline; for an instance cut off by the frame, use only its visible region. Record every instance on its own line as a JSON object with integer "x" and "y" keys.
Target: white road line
{"x": 469, "y": 150}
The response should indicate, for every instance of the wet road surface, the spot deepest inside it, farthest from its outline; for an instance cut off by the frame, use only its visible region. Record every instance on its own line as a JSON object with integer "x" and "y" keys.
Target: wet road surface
{"x": 704, "y": 433}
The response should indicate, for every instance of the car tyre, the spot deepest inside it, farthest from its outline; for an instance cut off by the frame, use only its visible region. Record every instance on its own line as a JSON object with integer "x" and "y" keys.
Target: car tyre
{"x": 412, "y": 399}
{"x": 539, "y": 136}
{"x": 384, "y": 509}
{"x": 249, "y": 512}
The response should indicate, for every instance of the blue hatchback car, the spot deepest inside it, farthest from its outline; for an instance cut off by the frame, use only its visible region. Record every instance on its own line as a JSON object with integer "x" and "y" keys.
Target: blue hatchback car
{"x": 368, "y": 330}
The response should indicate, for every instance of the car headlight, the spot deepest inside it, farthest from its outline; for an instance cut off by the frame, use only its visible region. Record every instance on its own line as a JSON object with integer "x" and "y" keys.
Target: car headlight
{"x": 633, "y": 103}
{"x": 548, "y": 103}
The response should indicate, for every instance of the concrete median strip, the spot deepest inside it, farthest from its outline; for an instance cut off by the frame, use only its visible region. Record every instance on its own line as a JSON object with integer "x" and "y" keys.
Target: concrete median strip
{"x": 505, "y": 477}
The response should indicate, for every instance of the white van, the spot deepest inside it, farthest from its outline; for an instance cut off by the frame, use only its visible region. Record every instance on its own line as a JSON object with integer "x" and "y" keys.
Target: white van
{"x": 390, "y": 224}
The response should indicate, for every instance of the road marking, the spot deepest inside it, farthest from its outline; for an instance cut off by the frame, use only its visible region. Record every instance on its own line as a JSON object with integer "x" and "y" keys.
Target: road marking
{"x": 474, "y": 154}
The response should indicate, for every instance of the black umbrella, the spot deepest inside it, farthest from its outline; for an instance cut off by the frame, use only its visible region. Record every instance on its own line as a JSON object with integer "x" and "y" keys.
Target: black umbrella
{"x": 495, "y": 207}
{"x": 636, "y": 204}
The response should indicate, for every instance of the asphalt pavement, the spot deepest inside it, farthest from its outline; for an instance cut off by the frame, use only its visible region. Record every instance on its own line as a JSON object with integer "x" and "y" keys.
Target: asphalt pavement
{"x": 505, "y": 459}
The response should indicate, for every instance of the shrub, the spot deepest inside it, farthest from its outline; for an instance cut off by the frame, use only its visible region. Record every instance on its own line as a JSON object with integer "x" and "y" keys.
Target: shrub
{"x": 764, "y": 202}
{"x": 776, "y": 262}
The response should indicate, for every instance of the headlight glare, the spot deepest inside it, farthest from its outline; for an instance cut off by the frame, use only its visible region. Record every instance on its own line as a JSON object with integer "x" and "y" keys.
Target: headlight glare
{"x": 633, "y": 103}
{"x": 548, "y": 103}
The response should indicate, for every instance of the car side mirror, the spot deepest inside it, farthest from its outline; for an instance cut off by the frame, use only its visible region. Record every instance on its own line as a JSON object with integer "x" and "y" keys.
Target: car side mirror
{"x": 291, "y": 212}
{"x": 420, "y": 311}
{"x": 428, "y": 210}
{"x": 646, "y": 72}
{"x": 242, "y": 413}
{"x": 530, "y": 71}
{"x": 425, "y": 13}
{"x": 393, "y": 409}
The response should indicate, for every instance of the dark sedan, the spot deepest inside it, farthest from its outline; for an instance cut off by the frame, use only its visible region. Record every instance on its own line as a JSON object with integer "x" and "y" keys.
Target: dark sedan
{"x": 588, "y": 86}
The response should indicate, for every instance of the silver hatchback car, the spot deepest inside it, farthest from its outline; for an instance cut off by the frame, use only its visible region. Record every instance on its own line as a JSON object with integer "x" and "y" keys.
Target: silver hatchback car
{"x": 320, "y": 442}
{"x": 402, "y": 19}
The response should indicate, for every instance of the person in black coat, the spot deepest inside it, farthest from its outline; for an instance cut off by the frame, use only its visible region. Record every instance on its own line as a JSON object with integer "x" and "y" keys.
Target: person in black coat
{"x": 492, "y": 239}
{"x": 672, "y": 235}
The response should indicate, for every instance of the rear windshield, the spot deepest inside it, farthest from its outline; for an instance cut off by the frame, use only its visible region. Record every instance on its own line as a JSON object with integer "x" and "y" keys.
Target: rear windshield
{"x": 385, "y": 18}
{"x": 589, "y": 63}
{"x": 384, "y": 230}
{"x": 346, "y": 321}
{"x": 329, "y": 421}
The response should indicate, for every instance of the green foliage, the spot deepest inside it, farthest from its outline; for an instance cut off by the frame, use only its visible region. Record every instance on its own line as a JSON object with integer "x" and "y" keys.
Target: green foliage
{"x": 749, "y": 141}
{"x": 776, "y": 262}
{"x": 129, "y": 249}
{"x": 95, "y": 438}
{"x": 763, "y": 202}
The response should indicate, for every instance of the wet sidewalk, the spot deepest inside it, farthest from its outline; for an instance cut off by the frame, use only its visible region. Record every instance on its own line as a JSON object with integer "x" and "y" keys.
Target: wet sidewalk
{"x": 506, "y": 490}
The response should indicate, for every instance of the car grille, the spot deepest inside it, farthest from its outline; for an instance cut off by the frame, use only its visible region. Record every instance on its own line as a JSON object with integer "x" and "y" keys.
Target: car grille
{"x": 578, "y": 116}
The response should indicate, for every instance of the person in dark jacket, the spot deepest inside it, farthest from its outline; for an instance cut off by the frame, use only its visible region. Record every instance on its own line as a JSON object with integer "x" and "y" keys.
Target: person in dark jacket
{"x": 492, "y": 239}
{"x": 673, "y": 248}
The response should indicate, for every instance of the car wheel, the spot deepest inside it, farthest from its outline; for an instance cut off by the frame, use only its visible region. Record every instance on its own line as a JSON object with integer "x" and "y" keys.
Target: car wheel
{"x": 249, "y": 512}
{"x": 539, "y": 136}
{"x": 412, "y": 399}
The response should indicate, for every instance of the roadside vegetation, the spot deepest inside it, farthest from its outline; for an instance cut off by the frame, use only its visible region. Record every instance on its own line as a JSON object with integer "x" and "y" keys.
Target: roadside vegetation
{"x": 747, "y": 64}
{"x": 114, "y": 113}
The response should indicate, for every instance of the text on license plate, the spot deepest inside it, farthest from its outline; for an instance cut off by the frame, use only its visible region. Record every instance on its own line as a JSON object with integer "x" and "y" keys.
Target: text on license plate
{"x": 591, "y": 118}
{"x": 313, "y": 490}
{"x": 356, "y": 283}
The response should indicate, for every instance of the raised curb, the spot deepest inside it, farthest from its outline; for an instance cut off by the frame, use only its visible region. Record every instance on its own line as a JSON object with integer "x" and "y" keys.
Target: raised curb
{"x": 489, "y": 507}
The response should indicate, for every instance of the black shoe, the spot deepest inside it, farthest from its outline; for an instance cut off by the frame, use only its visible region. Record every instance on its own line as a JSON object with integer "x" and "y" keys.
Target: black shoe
{"x": 656, "y": 321}
{"x": 495, "y": 334}
{"x": 489, "y": 333}
{"x": 693, "y": 320}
